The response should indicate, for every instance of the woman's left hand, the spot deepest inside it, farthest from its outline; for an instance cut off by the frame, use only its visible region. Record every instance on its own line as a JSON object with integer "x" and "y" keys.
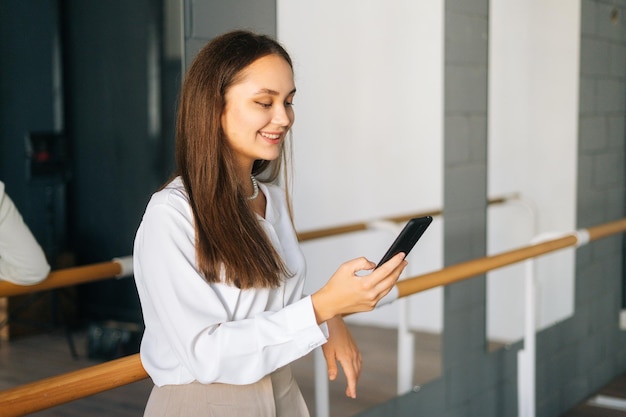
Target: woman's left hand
{"x": 342, "y": 348}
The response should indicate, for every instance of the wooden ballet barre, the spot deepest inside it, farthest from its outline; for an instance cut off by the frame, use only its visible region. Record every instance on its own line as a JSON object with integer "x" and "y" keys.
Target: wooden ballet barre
{"x": 357, "y": 227}
{"x": 71, "y": 386}
{"x": 464, "y": 270}
{"x": 71, "y": 276}
{"x": 606, "y": 229}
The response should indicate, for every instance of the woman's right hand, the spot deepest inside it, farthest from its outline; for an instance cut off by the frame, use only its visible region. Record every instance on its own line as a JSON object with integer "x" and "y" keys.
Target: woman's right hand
{"x": 346, "y": 292}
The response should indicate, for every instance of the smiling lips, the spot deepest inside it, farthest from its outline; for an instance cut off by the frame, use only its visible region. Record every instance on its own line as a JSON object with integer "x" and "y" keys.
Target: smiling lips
{"x": 271, "y": 137}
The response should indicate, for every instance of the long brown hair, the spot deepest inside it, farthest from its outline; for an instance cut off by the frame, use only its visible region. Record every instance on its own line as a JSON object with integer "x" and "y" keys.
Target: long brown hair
{"x": 228, "y": 234}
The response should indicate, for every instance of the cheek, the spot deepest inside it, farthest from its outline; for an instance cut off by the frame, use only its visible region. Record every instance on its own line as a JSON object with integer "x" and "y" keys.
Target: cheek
{"x": 247, "y": 120}
{"x": 233, "y": 123}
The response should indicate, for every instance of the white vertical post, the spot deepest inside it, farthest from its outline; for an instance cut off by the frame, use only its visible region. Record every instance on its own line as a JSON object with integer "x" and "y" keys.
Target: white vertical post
{"x": 406, "y": 339}
{"x": 527, "y": 362}
{"x": 406, "y": 343}
{"x": 322, "y": 402}
{"x": 526, "y": 357}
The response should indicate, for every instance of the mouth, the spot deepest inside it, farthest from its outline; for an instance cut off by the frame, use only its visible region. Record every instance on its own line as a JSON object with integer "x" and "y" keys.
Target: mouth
{"x": 271, "y": 137}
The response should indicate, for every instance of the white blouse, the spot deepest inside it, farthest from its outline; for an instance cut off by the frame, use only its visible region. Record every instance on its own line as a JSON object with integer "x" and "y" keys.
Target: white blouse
{"x": 215, "y": 332}
{"x": 22, "y": 261}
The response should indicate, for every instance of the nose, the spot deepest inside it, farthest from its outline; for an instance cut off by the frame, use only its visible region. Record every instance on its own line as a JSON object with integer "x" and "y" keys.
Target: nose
{"x": 283, "y": 115}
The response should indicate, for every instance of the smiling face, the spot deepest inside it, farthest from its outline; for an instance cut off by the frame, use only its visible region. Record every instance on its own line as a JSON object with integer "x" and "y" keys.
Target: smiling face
{"x": 258, "y": 111}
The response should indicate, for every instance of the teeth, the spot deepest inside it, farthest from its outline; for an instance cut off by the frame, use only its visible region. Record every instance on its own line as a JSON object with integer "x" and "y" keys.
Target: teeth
{"x": 269, "y": 136}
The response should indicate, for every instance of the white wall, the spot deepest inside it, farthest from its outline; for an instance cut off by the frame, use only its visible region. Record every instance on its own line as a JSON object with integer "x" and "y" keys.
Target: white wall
{"x": 368, "y": 131}
{"x": 533, "y": 117}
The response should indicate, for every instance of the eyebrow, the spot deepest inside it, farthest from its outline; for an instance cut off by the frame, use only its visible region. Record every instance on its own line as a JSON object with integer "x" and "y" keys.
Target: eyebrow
{"x": 273, "y": 92}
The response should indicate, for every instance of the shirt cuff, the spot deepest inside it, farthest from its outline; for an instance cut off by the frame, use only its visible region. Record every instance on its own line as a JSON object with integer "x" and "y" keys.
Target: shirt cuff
{"x": 302, "y": 322}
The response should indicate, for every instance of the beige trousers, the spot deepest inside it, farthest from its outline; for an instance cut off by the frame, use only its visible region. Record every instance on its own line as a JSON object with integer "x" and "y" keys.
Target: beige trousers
{"x": 276, "y": 395}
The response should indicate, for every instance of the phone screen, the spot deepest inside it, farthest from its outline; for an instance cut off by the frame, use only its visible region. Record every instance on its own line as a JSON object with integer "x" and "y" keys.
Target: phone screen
{"x": 408, "y": 237}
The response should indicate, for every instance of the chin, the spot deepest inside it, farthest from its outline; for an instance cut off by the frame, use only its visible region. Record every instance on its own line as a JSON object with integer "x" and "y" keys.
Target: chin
{"x": 270, "y": 156}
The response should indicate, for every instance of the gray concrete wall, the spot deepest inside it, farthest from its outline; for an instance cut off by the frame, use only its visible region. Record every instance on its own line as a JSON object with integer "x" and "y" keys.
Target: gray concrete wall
{"x": 580, "y": 355}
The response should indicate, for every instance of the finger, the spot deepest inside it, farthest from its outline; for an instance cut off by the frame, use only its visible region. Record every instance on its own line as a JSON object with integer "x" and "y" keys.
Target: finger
{"x": 387, "y": 276}
{"x": 331, "y": 366}
{"x": 395, "y": 274}
{"x": 351, "y": 378}
{"x": 351, "y": 391}
{"x": 384, "y": 286}
{"x": 393, "y": 263}
{"x": 389, "y": 268}
{"x": 332, "y": 371}
{"x": 358, "y": 362}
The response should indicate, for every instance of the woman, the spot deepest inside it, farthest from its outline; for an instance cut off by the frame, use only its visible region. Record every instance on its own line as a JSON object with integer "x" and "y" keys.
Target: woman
{"x": 217, "y": 263}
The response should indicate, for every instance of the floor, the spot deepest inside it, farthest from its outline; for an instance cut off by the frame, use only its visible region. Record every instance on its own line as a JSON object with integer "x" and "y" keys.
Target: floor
{"x": 21, "y": 361}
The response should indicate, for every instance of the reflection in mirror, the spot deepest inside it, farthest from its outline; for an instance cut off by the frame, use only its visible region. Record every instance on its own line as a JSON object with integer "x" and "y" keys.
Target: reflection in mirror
{"x": 99, "y": 79}
{"x": 532, "y": 129}
{"x": 368, "y": 145}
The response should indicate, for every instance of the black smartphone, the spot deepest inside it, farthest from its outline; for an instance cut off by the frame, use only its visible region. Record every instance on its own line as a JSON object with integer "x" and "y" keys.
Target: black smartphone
{"x": 408, "y": 237}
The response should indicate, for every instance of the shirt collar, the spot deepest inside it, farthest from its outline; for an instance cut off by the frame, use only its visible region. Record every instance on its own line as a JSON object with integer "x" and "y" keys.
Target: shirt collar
{"x": 272, "y": 212}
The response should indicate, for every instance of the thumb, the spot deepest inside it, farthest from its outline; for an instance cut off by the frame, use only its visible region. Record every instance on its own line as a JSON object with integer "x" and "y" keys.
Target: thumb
{"x": 359, "y": 264}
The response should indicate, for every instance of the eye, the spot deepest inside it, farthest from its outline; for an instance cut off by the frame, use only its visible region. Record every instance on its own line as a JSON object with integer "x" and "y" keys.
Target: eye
{"x": 264, "y": 105}
{"x": 289, "y": 103}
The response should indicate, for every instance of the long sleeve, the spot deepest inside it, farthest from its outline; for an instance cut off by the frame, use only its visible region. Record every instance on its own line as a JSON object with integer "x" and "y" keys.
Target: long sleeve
{"x": 212, "y": 332}
{"x": 22, "y": 261}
